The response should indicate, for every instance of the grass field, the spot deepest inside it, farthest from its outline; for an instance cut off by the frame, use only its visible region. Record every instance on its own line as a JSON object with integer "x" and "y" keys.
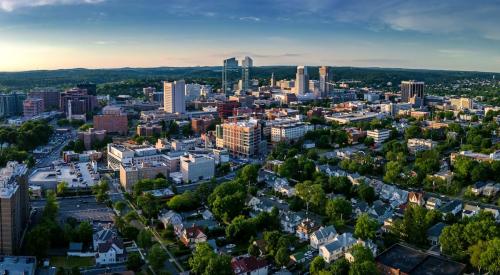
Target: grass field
{"x": 69, "y": 262}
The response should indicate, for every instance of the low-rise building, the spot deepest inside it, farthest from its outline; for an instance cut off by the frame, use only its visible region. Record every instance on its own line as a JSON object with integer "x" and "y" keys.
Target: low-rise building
{"x": 290, "y": 132}
{"x": 109, "y": 247}
{"x": 323, "y": 236}
{"x": 90, "y": 136}
{"x": 249, "y": 265}
{"x": 379, "y": 135}
{"x": 17, "y": 265}
{"x": 337, "y": 248}
{"x": 197, "y": 167}
{"x": 190, "y": 236}
{"x": 131, "y": 173}
{"x": 418, "y": 144}
{"x": 32, "y": 107}
{"x": 148, "y": 130}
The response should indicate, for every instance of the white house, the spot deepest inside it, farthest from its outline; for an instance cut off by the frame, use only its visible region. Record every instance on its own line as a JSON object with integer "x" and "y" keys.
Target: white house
{"x": 337, "y": 248}
{"x": 108, "y": 247}
{"x": 171, "y": 218}
{"x": 323, "y": 236}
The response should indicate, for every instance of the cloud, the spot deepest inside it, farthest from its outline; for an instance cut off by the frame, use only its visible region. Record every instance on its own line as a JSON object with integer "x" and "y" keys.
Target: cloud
{"x": 250, "y": 18}
{"x": 11, "y": 5}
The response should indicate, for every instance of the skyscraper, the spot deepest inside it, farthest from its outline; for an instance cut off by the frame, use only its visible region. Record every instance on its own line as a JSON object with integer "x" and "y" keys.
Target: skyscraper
{"x": 228, "y": 65}
{"x": 246, "y": 65}
{"x": 273, "y": 81}
{"x": 412, "y": 92}
{"x": 325, "y": 79}
{"x": 302, "y": 81}
{"x": 174, "y": 96}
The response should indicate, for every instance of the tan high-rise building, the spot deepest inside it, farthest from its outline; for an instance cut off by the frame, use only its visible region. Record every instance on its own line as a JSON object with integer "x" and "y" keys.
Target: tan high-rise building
{"x": 240, "y": 138}
{"x": 174, "y": 96}
{"x": 14, "y": 206}
{"x": 325, "y": 80}
{"x": 301, "y": 81}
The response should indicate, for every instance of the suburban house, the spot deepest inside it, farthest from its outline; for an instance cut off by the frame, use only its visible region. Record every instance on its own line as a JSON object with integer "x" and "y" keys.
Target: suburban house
{"x": 323, "y": 236}
{"x": 433, "y": 203}
{"x": 108, "y": 247}
{"x": 289, "y": 221}
{"x": 171, "y": 218}
{"x": 453, "y": 207}
{"x": 305, "y": 229}
{"x": 416, "y": 198}
{"x": 337, "y": 248}
{"x": 470, "y": 210}
{"x": 190, "y": 236}
{"x": 249, "y": 265}
{"x": 490, "y": 190}
{"x": 478, "y": 187}
{"x": 434, "y": 232}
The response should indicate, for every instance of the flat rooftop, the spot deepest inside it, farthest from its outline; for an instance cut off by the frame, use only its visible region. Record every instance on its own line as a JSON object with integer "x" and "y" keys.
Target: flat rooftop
{"x": 17, "y": 265}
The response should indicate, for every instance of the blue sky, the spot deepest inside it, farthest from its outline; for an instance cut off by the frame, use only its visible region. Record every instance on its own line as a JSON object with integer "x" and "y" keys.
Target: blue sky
{"x": 447, "y": 34}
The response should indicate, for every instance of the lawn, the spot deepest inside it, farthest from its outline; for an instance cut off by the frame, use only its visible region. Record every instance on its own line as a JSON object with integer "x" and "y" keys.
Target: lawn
{"x": 69, "y": 262}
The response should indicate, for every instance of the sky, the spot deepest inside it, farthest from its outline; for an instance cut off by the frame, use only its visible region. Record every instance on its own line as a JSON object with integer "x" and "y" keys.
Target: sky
{"x": 428, "y": 34}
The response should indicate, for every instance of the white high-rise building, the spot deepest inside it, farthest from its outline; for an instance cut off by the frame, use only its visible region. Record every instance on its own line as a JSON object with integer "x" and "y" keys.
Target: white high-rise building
{"x": 174, "y": 96}
{"x": 301, "y": 81}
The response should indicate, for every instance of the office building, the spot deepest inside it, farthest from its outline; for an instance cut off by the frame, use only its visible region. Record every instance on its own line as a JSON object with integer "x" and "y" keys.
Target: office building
{"x": 32, "y": 107}
{"x": 229, "y": 65}
{"x": 379, "y": 135}
{"x": 290, "y": 132}
{"x": 246, "y": 66}
{"x": 90, "y": 136}
{"x": 325, "y": 80}
{"x": 148, "y": 92}
{"x": 11, "y": 104}
{"x": 461, "y": 103}
{"x": 131, "y": 153}
{"x": 197, "y": 167}
{"x": 174, "y": 96}
{"x": 14, "y": 204}
{"x": 241, "y": 139}
{"x": 148, "y": 130}
{"x": 131, "y": 173}
{"x": 412, "y": 92}
{"x": 112, "y": 120}
{"x": 91, "y": 88}
{"x": 301, "y": 80}
{"x": 77, "y": 102}
{"x": 51, "y": 97}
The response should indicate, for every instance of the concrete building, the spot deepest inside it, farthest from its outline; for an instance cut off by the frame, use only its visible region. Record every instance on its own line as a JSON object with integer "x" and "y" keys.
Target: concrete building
{"x": 418, "y": 144}
{"x": 14, "y": 206}
{"x": 325, "y": 80}
{"x": 11, "y": 104}
{"x": 412, "y": 92}
{"x": 174, "y": 96}
{"x": 197, "y": 167}
{"x": 242, "y": 139}
{"x": 32, "y": 107}
{"x": 379, "y": 135}
{"x": 301, "y": 81}
{"x": 51, "y": 97}
{"x": 132, "y": 173}
{"x": 90, "y": 136}
{"x": 246, "y": 66}
{"x": 14, "y": 265}
{"x": 290, "y": 132}
{"x": 119, "y": 154}
{"x": 112, "y": 120}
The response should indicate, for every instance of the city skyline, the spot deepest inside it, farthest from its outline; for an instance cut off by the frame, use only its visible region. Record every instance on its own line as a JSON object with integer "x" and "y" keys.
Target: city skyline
{"x": 54, "y": 34}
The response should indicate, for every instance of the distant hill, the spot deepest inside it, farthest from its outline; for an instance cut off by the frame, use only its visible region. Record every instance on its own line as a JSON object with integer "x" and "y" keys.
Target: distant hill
{"x": 69, "y": 77}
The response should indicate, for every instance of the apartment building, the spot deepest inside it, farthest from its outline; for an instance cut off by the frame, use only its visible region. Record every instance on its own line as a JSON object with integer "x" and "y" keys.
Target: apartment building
{"x": 379, "y": 135}
{"x": 113, "y": 120}
{"x": 14, "y": 206}
{"x": 240, "y": 138}
{"x": 32, "y": 107}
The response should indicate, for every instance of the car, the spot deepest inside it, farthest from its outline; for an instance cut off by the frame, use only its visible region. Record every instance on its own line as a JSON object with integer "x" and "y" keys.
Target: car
{"x": 229, "y": 246}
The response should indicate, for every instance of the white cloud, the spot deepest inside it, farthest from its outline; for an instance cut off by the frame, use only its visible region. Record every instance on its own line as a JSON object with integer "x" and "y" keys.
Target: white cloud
{"x": 11, "y": 5}
{"x": 250, "y": 18}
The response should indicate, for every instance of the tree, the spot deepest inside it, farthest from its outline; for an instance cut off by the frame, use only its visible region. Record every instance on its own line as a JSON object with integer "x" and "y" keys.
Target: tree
{"x": 62, "y": 187}
{"x": 339, "y": 267}
{"x": 134, "y": 262}
{"x": 369, "y": 141}
{"x": 205, "y": 261}
{"x": 100, "y": 191}
{"x": 157, "y": 257}
{"x": 366, "y": 227}
{"x": 144, "y": 238}
{"x": 149, "y": 205}
{"x": 253, "y": 250}
{"x": 392, "y": 171}
{"x": 338, "y": 209}
{"x": 184, "y": 202}
{"x": 282, "y": 258}
{"x": 85, "y": 232}
{"x": 452, "y": 242}
{"x": 364, "y": 268}
{"x": 227, "y": 200}
{"x": 130, "y": 232}
{"x": 219, "y": 265}
{"x": 361, "y": 254}
{"x": 75, "y": 270}
{"x": 37, "y": 242}
{"x": 490, "y": 258}
{"x": 340, "y": 185}
{"x": 310, "y": 193}
{"x": 51, "y": 206}
{"x": 476, "y": 252}
{"x": 240, "y": 229}
{"x": 317, "y": 264}
{"x": 366, "y": 193}
{"x": 120, "y": 206}
{"x": 248, "y": 174}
